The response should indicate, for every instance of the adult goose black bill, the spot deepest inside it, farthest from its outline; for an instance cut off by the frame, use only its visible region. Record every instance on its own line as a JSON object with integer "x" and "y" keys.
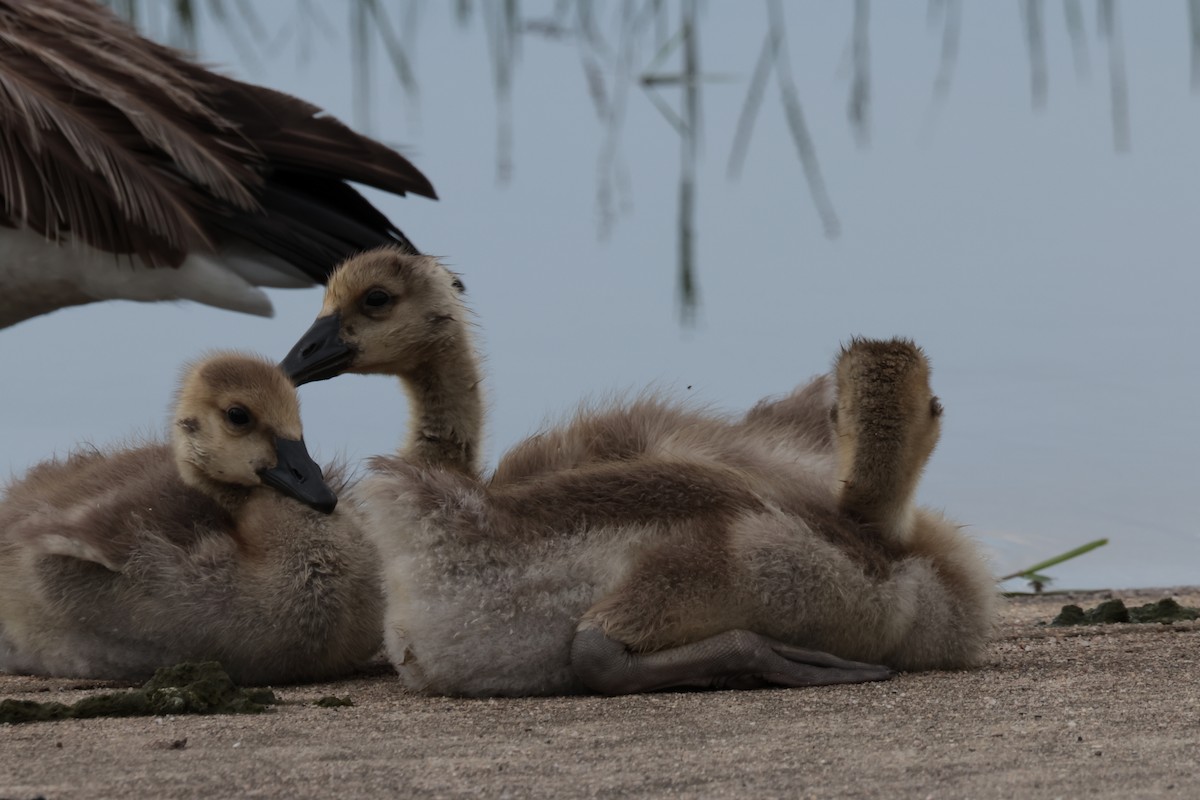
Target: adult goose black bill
{"x": 127, "y": 171}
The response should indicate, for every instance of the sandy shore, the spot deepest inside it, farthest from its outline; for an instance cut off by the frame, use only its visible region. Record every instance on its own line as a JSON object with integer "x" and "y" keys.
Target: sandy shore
{"x": 1111, "y": 711}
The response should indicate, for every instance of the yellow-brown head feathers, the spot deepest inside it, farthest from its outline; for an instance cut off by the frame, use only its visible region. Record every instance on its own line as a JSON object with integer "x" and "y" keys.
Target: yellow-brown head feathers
{"x": 237, "y": 427}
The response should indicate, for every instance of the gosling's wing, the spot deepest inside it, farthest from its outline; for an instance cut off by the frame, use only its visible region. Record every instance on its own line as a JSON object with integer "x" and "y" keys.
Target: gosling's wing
{"x": 59, "y": 540}
{"x": 599, "y": 432}
{"x": 101, "y": 506}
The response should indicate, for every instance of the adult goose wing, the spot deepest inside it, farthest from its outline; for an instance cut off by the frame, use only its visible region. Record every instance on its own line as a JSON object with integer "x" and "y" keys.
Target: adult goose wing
{"x": 113, "y": 145}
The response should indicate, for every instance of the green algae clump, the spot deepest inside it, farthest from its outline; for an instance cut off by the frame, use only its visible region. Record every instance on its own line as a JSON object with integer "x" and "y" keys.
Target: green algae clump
{"x": 1107, "y": 612}
{"x": 1070, "y": 615}
{"x": 331, "y": 701}
{"x": 1165, "y": 611}
{"x": 189, "y": 688}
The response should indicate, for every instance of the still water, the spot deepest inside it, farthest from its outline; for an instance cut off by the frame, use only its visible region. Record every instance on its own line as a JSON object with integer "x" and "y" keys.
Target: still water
{"x": 1042, "y": 248}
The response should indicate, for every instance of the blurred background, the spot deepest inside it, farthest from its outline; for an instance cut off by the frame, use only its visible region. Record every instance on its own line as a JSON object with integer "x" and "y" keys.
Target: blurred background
{"x": 710, "y": 197}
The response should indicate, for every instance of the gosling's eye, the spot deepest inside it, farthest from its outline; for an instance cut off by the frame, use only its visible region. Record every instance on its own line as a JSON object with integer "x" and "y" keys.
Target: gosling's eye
{"x": 238, "y": 417}
{"x": 935, "y": 407}
{"x": 458, "y": 285}
{"x": 376, "y": 298}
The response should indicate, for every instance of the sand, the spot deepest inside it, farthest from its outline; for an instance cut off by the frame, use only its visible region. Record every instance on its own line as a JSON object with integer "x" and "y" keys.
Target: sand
{"x": 1109, "y": 711}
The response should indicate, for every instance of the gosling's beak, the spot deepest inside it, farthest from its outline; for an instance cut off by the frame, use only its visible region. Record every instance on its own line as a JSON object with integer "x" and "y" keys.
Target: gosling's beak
{"x": 297, "y": 475}
{"x": 320, "y": 354}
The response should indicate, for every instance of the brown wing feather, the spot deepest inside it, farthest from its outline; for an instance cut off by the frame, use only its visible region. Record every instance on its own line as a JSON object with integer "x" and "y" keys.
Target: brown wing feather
{"x": 74, "y": 141}
{"x": 150, "y": 114}
{"x": 133, "y": 148}
{"x": 293, "y": 134}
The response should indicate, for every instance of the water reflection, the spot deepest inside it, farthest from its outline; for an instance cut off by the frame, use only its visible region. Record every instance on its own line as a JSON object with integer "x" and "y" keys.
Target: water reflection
{"x": 624, "y": 44}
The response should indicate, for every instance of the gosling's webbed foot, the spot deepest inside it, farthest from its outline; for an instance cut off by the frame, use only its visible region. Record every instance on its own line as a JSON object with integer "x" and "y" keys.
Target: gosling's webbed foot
{"x": 734, "y": 659}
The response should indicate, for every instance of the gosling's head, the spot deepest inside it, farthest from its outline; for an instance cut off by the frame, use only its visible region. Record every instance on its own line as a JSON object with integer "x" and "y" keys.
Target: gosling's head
{"x": 237, "y": 428}
{"x": 886, "y": 422}
{"x": 385, "y": 311}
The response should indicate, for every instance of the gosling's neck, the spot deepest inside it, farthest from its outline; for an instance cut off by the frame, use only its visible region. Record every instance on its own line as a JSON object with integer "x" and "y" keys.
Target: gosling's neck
{"x": 879, "y": 472}
{"x": 446, "y": 408}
